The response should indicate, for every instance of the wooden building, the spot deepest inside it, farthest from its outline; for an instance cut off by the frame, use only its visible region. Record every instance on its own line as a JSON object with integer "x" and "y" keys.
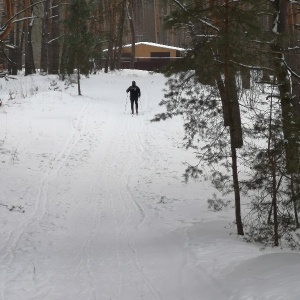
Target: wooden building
{"x": 150, "y": 56}
{"x": 151, "y": 50}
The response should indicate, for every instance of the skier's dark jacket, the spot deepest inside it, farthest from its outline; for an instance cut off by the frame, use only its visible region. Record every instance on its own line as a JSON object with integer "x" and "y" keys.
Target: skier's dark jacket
{"x": 134, "y": 90}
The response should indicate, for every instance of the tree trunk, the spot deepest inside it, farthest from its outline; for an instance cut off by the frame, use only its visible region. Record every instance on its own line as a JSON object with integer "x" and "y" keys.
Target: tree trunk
{"x": 120, "y": 34}
{"x": 112, "y": 38}
{"x": 274, "y": 201}
{"x": 109, "y": 57}
{"x": 44, "y": 41}
{"x": 12, "y": 66}
{"x": 78, "y": 82}
{"x": 290, "y": 121}
{"x": 132, "y": 31}
{"x": 234, "y": 111}
{"x": 222, "y": 93}
{"x": 273, "y": 167}
{"x": 54, "y": 43}
{"x": 234, "y": 127}
{"x": 28, "y": 68}
{"x": 62, "y": 67}
{"x": 236, "y": 188}
{"x": 18, "y": 51}
{"x": 156, "y": 21}
{"x": 290, "y": 131}
{"x": 295, "y": 198}
{"x": 106, "y": 64}
{"x": 292, "y": 57}
{"x": 21, "y": 48}
{"x": 30, "y": 47}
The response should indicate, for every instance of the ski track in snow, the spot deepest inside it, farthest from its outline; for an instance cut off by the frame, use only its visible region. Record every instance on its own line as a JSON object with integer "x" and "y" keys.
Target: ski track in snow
{"x": 12, "y": 242}
{"x": 121, "y": 217}
{"x": 100, "y": 222}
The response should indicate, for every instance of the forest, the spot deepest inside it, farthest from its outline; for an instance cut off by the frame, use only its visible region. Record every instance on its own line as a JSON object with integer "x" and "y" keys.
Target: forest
{"x": 40, "y": 32}
{"x": 236, "y": 87}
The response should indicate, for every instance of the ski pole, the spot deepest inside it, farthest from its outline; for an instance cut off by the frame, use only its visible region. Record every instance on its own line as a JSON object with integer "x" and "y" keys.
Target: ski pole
{"x": 141, "y": 105}
{"x": 126, "y": 104}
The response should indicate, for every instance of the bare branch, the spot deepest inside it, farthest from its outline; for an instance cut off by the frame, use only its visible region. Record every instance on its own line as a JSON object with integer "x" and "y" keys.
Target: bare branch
{"x": 18, "y": 13}
{"x": 293, "y": 73}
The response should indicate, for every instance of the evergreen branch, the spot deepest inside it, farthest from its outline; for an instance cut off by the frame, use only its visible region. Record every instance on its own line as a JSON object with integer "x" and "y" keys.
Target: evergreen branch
{"x": 252, "y": 67}
{"x": 8, "y": 59}
{"x": 246, "y": 66}
{"x": 208, "y": 35}
{"x": 201, "y": 156}
{"x": 199, "y": 19}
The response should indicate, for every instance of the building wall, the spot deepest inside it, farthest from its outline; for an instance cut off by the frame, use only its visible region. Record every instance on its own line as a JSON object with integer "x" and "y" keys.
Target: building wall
{"x": 145, "y": 50}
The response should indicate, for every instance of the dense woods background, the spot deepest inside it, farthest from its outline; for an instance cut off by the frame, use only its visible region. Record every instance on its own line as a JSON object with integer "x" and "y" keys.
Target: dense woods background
{"x": 41, "y": 29}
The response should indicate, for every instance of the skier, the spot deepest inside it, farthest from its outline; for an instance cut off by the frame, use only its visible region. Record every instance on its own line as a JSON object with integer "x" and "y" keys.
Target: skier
{"x": 135, "y": 94}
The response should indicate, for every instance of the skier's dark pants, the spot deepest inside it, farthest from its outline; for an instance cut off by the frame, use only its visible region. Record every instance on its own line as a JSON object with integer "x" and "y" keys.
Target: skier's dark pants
{"x": 136, "y": 105}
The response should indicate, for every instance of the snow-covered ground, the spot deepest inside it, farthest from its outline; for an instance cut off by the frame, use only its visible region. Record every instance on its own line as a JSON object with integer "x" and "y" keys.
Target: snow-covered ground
{"x": 106, "y": 214}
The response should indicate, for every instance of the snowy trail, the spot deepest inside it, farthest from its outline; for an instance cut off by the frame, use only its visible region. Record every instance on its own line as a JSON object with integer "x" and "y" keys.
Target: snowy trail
{"x": 107, "y": 216}
{"x": 92, "y": 233}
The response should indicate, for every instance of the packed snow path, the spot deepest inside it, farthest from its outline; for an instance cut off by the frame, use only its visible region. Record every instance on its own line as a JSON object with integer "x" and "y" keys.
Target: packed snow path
{"x": 107, "y": 216}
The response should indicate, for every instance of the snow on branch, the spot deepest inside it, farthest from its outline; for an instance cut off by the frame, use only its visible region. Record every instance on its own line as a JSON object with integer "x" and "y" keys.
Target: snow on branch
{"x": 251, "y": 66}
{"x": 9, "y": 46}
{"x": 275, "y": 27}
{"x": 179, "y": 4}
{"x": 262, "y": 42}
{"x": 209, "y": 25}
{"x": 207, "y": 35}
{"x": 293, "y": 48}
{"x": 20, "y": 12}
{"x": 49, "y": 42}
{"x": 23, "y": 19}
{"x": 54, "y": 6}
{"x": 32, "y": 20}
{"x": 293, "y": 73}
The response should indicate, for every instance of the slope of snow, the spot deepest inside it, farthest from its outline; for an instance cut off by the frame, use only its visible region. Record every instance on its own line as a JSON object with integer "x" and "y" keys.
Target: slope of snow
{"x": 106, "y": 214}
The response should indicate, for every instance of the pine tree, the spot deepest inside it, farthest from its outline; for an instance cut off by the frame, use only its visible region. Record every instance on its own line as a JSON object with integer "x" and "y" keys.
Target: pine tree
{"x": 289, "y": 101}
{"x": 224, "y": 37}
{"x": 78, "y": 41}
